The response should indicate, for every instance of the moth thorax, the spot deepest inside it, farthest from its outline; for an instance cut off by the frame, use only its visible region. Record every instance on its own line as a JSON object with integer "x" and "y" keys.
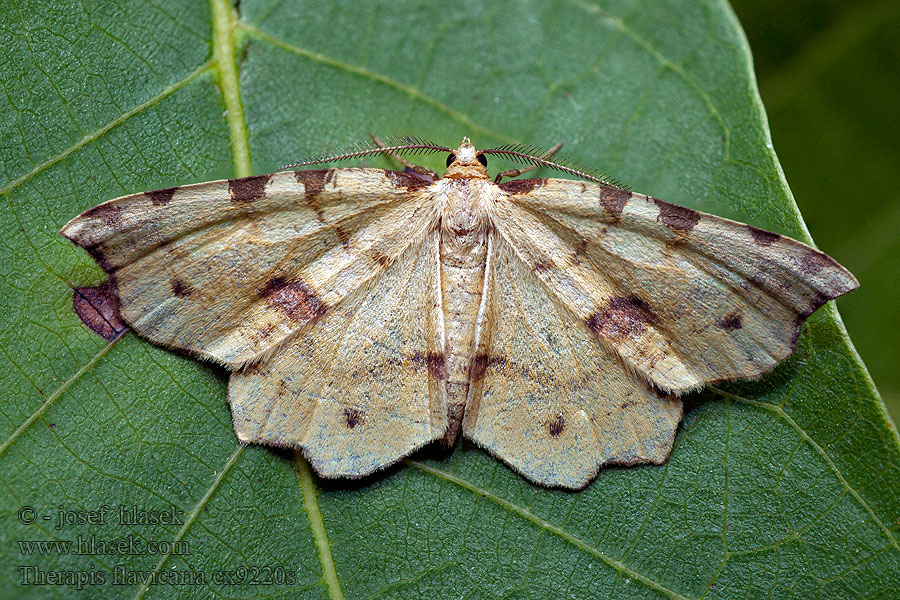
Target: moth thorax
{"x": 464, "y": 220}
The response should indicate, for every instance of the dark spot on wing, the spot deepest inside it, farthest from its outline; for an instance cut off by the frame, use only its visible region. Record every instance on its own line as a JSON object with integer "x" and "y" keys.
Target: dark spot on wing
{"x": 181, "y": 288}
{"x": 556, "y": 426}
{"x": 731, "y": 322}
{"x": 580, "y": 251}
{"x": 478, "y": 368}
{"x": 622, "y": 317}
{"x": 380, "y": 257}
{"x": 677, "y": 217}
{"x": 433, "y": 361}
{"x": 99, "y": 308}
{"x": 763, "y": 237}
{"x": 294, "y": 298}
{"x": 352, "y": 417}
{"x": 342, "y": 236}
{"x": 161, "y": 197}
{"x": 314, "y": 181}
{"x": 814, "y": 262}
{"x": 480, "y": 364}
{"x": 247, "y": 189}
{"x": 540, "y": 266}
{"x": 614, "y": 201}
{"x": 409, "y": 181}
{"x": 436, "y": 368}
{"x": 515, "y": 187}
{"x": 108, "y": 213}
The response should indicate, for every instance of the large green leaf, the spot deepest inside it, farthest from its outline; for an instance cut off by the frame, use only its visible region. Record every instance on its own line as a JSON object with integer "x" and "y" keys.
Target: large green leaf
{"x": 780, "y": 488}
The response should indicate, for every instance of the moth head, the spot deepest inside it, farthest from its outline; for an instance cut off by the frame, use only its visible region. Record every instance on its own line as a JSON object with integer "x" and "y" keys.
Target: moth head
{"x": 466, "y": 163}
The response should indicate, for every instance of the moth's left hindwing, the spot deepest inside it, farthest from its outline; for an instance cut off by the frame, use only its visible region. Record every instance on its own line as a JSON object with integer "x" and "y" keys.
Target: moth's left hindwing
{"x": 230, "y": 269}
{"x": 362, "y": 388}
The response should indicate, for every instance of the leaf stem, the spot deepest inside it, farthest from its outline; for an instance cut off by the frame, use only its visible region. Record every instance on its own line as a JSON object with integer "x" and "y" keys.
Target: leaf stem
{"x": 317, "y": 524}
{"x": 223, "y": 46}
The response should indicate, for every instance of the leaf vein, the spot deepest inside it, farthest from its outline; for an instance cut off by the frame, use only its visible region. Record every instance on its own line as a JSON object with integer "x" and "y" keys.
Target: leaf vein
{"x": 821, "y": 451}
{"x": 220, "y": 476}
{"x": 620, "y": 25}
{"x": 409, "y": 90}
{"x": 54, "y": 395}
{"x": 317, "y": 524}
{"x": 555, "y": 529}
{"x": 91, "y": 137}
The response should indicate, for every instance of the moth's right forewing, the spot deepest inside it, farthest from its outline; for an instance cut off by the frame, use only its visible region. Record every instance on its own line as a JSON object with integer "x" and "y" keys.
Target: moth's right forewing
{"x": 683, "y": 297}
{"x": 230, "y": 269}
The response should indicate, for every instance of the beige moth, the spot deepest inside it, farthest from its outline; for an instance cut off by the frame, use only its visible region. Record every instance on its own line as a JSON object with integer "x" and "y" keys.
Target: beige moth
{"x": 364, "y": 313}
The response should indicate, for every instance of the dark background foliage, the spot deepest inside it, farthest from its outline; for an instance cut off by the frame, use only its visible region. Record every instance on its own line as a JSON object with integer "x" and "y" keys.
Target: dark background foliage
{"x": 829, "y": 75}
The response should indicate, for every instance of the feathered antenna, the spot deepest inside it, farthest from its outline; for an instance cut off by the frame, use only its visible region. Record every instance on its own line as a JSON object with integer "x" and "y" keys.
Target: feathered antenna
{"x": 390, "y": 145}
{"x": 531, "y": 155}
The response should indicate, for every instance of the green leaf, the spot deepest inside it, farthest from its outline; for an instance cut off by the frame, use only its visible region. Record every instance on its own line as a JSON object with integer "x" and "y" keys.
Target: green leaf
{"x": 782, "y": 487}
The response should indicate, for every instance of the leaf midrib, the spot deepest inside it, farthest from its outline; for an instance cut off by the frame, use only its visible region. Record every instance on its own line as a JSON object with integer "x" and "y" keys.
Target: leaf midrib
{"x": 223, "y": 25}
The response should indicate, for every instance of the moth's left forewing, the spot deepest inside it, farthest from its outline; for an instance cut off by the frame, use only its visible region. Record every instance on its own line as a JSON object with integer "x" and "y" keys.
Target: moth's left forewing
{"x": 683, "y": 297}
{"x": 230, "y": 269}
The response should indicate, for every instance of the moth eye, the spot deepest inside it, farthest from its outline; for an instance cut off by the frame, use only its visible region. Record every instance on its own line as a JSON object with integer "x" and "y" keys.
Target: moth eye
{"x": 450, "y": 159}
{"x": 482, "y": 159}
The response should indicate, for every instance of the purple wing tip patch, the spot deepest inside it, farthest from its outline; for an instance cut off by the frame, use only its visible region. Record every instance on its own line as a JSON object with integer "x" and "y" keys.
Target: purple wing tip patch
{"x": 98, "y": 307}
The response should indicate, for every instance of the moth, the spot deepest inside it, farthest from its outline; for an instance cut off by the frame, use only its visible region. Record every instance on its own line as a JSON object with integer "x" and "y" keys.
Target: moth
{"x": 364, "y": 313}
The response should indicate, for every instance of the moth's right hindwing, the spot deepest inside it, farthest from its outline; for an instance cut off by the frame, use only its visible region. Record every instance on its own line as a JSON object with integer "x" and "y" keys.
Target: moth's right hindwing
{"x": 547, "y": 398}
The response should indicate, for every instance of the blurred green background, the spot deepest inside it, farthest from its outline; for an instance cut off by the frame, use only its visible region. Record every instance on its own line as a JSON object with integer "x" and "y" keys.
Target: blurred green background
{"x": 829, "y": 75}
